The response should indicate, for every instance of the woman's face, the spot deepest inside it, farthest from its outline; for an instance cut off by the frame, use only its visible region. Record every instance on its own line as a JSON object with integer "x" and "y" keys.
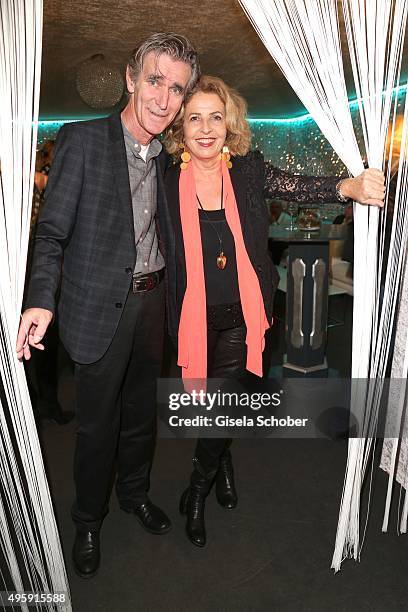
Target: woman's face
{"x": 204, "y": 125}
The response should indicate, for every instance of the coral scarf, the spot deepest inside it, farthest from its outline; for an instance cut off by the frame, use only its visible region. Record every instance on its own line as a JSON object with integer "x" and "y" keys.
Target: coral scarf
{"x": 192, "y": 335}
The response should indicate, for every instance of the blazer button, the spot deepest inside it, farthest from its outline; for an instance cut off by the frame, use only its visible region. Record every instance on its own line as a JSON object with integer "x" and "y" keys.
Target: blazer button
{"x": 128, "y": 270}
{"x": 118, "y": 304}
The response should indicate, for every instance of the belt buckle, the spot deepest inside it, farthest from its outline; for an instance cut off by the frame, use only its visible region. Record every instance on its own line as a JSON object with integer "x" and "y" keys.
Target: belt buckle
{"x": 144, "y": 283}
{"x": 150, "y": 283}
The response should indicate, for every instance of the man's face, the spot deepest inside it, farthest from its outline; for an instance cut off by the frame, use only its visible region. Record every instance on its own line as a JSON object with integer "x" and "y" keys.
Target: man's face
{"x": 157, "y": 95}
{"x": 276, "y": 209}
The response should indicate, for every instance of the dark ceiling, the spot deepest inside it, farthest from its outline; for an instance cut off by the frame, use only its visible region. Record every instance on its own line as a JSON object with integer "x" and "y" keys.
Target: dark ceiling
{"x": 74, "y": 30}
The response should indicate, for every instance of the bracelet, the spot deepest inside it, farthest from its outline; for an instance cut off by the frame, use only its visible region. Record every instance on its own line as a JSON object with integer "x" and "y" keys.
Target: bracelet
{"x": 339, "y": 195}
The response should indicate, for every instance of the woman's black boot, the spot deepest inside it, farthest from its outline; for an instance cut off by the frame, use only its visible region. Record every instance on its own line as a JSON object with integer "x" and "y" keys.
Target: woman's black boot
{"x": 192, "y": 503}
{"x": 224, "y": 483}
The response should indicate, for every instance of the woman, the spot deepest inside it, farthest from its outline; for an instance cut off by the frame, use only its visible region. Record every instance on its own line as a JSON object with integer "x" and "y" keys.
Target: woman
{"x": 221, "y": 280}
{"x": 42, "y": 369}
{"x": 43, "y": 163}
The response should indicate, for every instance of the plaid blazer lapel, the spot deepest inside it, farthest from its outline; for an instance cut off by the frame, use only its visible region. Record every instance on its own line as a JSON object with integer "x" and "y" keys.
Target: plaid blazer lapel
{"x": 120, "y": 167}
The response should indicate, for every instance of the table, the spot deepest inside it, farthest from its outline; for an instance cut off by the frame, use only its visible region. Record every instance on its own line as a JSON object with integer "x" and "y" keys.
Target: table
{"x": 306, "y": 297}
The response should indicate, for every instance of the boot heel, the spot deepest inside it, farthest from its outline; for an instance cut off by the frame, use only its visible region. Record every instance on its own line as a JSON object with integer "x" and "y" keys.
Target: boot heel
{"x": 183, "y": 502}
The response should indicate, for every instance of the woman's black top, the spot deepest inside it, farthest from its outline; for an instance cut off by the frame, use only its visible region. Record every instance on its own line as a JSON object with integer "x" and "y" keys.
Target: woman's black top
{"x": 221, "y": 286}
{"x": 224, "y": 309}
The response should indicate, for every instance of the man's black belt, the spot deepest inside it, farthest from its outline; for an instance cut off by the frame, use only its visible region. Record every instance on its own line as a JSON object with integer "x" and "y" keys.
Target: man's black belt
{"x": 147, "y": 282}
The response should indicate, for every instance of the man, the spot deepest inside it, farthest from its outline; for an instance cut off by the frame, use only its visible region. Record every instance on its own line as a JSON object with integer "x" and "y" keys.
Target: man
{"x": 277, "y": 215}
{"x": 281, "y": 218}
{"x": 99, "y": 219}
{"x": 345, "y": 217}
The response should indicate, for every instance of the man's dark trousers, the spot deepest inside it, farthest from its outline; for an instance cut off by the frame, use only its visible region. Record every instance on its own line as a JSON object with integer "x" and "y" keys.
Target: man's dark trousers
{"x": 116, "y": 412}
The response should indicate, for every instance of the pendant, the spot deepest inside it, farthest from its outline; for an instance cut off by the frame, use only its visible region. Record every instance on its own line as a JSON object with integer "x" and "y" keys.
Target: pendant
{"x": 221, "y": 261}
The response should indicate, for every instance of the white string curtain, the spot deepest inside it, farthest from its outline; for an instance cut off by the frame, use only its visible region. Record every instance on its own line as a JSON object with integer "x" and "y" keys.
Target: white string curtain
{"x": 303, "y": 38}
{"x": 395, "y": 449}
{"x": 375, "y": 35}
{"x": 28, "y": 532}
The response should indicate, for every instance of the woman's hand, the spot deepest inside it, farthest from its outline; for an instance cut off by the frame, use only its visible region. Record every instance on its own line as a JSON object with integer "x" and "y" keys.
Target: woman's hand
{"x": 366, "y": 188}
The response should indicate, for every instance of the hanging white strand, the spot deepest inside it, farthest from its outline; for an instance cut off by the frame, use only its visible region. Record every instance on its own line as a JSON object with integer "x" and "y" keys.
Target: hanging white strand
{"x": 303, "y": 39}
{"x": 297, "y": 35}
{"x": 369, "y": 31}
{"x": 25, "y": 494}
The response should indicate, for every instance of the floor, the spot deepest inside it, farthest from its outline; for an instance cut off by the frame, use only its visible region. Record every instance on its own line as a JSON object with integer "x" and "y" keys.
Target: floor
{"x": 273, "y": 552}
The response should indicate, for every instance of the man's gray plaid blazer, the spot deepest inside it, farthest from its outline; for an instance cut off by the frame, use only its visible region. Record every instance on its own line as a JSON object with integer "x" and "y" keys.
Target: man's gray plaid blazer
{"x": 86, "y": 226}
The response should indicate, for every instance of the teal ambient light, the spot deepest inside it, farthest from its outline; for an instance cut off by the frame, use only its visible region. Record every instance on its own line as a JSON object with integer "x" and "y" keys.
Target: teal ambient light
{"x": 307, "y": 117}
{"x": 54, "y": 123}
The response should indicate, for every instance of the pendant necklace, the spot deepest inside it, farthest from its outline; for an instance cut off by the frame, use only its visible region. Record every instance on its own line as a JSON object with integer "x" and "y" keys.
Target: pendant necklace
{"x": 221, "y": 258}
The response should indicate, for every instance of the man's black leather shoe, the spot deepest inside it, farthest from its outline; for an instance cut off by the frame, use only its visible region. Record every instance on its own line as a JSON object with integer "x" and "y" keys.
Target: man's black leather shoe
{"x": 86, "y": 553}
{"x": 152, "y": 518}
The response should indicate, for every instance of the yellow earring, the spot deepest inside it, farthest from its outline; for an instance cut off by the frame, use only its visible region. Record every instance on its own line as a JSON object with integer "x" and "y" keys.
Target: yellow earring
{"x": 225, "y": 155}
{"x": 185, "y": 158}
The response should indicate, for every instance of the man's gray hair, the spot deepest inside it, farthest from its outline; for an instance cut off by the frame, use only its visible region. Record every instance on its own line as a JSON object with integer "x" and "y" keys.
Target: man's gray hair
{"x": 176, "y": 46}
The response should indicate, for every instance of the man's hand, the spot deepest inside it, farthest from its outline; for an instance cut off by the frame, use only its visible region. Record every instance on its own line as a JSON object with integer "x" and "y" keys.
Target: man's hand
{"x": 33, "y": 326}
{"x": 366, "y": 188}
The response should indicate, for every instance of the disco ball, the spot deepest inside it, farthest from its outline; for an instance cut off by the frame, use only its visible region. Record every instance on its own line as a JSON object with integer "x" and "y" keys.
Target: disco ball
{"x": 99, "y": 85}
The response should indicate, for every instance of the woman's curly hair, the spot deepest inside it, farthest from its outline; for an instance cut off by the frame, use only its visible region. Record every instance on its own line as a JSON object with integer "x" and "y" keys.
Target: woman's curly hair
{"x": 238, "y": 137}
